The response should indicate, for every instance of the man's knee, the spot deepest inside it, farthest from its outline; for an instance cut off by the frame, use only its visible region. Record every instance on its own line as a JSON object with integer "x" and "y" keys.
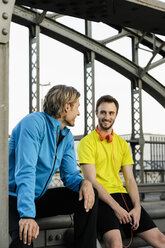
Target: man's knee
{"x": 17, "y": 243}
{"x": 112, "y": 242}
{"x": 113, "y": 239}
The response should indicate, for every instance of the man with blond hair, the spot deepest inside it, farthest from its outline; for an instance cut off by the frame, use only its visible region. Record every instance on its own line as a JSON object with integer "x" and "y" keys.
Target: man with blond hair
{"x": 41, "y": 144}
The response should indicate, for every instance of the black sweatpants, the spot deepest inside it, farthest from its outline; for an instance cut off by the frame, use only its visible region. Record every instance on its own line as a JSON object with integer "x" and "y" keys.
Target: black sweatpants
{"x": 59, "y": 201}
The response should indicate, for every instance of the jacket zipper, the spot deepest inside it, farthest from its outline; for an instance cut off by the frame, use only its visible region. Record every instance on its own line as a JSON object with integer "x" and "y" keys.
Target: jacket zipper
{"x": 52, "y": 168}
{"x": 49, "y": 175}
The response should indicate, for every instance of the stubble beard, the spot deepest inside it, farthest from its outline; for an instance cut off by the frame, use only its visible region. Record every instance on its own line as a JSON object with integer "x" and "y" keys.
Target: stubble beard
{"x": 105, "y": 128}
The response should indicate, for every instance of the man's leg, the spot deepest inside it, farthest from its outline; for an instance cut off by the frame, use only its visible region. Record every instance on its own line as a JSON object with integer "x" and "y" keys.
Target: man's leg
{"x": 64, "y": 201}
{"x": 108, "y": 226}
{"x": 17, "y": 243}
{"x": 14, "y": 225}
{"x": 113, "y": 239}
{"x": 148, "y": 231}
{"x": 85, "y": 224}
{"x": 153, "y": 237}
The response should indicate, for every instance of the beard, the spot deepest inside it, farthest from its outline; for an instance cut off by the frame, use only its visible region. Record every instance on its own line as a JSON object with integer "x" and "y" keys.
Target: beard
{"x": 101, "y": 124}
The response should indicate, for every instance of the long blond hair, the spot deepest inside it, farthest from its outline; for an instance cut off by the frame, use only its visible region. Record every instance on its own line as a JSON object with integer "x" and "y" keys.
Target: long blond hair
{"x": 57, "y": 97}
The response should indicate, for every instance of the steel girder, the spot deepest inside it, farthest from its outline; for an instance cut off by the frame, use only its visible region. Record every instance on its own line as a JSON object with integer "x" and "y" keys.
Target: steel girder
{"x": 85, "y": 44}
{"x": 34, "y": 68}
{"x": 6, "y": 10}
{"x": 89, "y": 85}
{"x": 137, "y": 127}
{"x": 145, "y": 15}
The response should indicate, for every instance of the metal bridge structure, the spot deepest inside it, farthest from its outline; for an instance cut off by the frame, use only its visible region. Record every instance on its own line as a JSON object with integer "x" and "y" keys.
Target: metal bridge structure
{"x": 140, "y": 20}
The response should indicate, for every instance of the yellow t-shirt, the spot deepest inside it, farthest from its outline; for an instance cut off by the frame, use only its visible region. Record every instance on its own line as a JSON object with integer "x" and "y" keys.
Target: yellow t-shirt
{"x": 107, "y": 158}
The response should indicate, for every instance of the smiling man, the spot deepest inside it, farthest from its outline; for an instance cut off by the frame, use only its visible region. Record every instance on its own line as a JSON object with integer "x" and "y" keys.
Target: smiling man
{"x": 102, "y": 155}
{"x": 40, "y": 144}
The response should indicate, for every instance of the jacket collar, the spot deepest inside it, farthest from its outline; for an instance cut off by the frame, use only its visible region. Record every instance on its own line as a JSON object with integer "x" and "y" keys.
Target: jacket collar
{"x": 57, "y": 124}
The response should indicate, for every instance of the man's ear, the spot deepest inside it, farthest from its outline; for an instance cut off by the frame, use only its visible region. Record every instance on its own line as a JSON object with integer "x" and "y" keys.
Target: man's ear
{"x": 66, "y": 107}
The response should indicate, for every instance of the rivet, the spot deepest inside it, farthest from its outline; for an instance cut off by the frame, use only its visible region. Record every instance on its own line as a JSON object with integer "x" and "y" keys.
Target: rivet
{"x": 4, "y": 31}
{"x": 50, "y": 238}
{"x": 5, "y": 16}
{"x": 5, "y": 1}
{"x": 58, "y": 236}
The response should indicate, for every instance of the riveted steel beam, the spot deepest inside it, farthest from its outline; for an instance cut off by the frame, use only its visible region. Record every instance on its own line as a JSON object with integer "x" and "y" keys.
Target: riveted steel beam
{"x": 89, "y": 85}
{"x": 6, "y": 10}
{"x": 145, "y": 15}
{"x": 34, "y": 68}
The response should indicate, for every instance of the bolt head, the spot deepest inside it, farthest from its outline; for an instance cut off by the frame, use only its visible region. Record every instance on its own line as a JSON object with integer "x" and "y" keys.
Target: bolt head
{"x": 5, "y": 16}
{"x": 5, "y": 1}
{"x": 4, "y": 31}
{"x": 50, "y": 238}
{"x": 58, "y": 237}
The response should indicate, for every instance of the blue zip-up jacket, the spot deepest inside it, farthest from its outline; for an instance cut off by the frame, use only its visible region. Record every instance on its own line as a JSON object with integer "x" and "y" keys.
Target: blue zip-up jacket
{"x": 34, "y": 158}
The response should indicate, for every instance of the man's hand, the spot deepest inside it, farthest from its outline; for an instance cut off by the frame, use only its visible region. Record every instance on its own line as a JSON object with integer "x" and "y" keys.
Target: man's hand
{"x": 135, "y": 214}
{"x": 87, "y": 192}
{"x": 122, "y": 215}
{"x": 28, "y": 230}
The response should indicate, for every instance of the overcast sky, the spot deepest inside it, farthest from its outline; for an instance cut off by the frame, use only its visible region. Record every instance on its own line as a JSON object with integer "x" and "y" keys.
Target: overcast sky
{"x": 60, "y": 64}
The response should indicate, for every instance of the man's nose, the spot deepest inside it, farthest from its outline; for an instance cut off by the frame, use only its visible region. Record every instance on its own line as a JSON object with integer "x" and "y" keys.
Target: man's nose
{"x": 107, "y": 116}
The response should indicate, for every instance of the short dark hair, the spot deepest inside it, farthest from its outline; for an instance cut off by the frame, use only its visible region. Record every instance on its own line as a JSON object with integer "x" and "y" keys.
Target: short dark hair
{"x": 107, "y": 98}
{"x": 57, "y": 97}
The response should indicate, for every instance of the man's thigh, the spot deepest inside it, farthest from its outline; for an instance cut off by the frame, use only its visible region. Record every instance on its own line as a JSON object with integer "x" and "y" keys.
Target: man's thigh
{"x": 107, "y": 219}
{"x": 13, "y": 217}
{"x": 146, "y": 223}
{"x": 57, "y": 201}
{"x": 14, "y": 225}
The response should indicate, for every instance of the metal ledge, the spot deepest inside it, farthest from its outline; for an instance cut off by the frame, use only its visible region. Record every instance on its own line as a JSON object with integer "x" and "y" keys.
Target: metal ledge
{"x": 55, "y": 222}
